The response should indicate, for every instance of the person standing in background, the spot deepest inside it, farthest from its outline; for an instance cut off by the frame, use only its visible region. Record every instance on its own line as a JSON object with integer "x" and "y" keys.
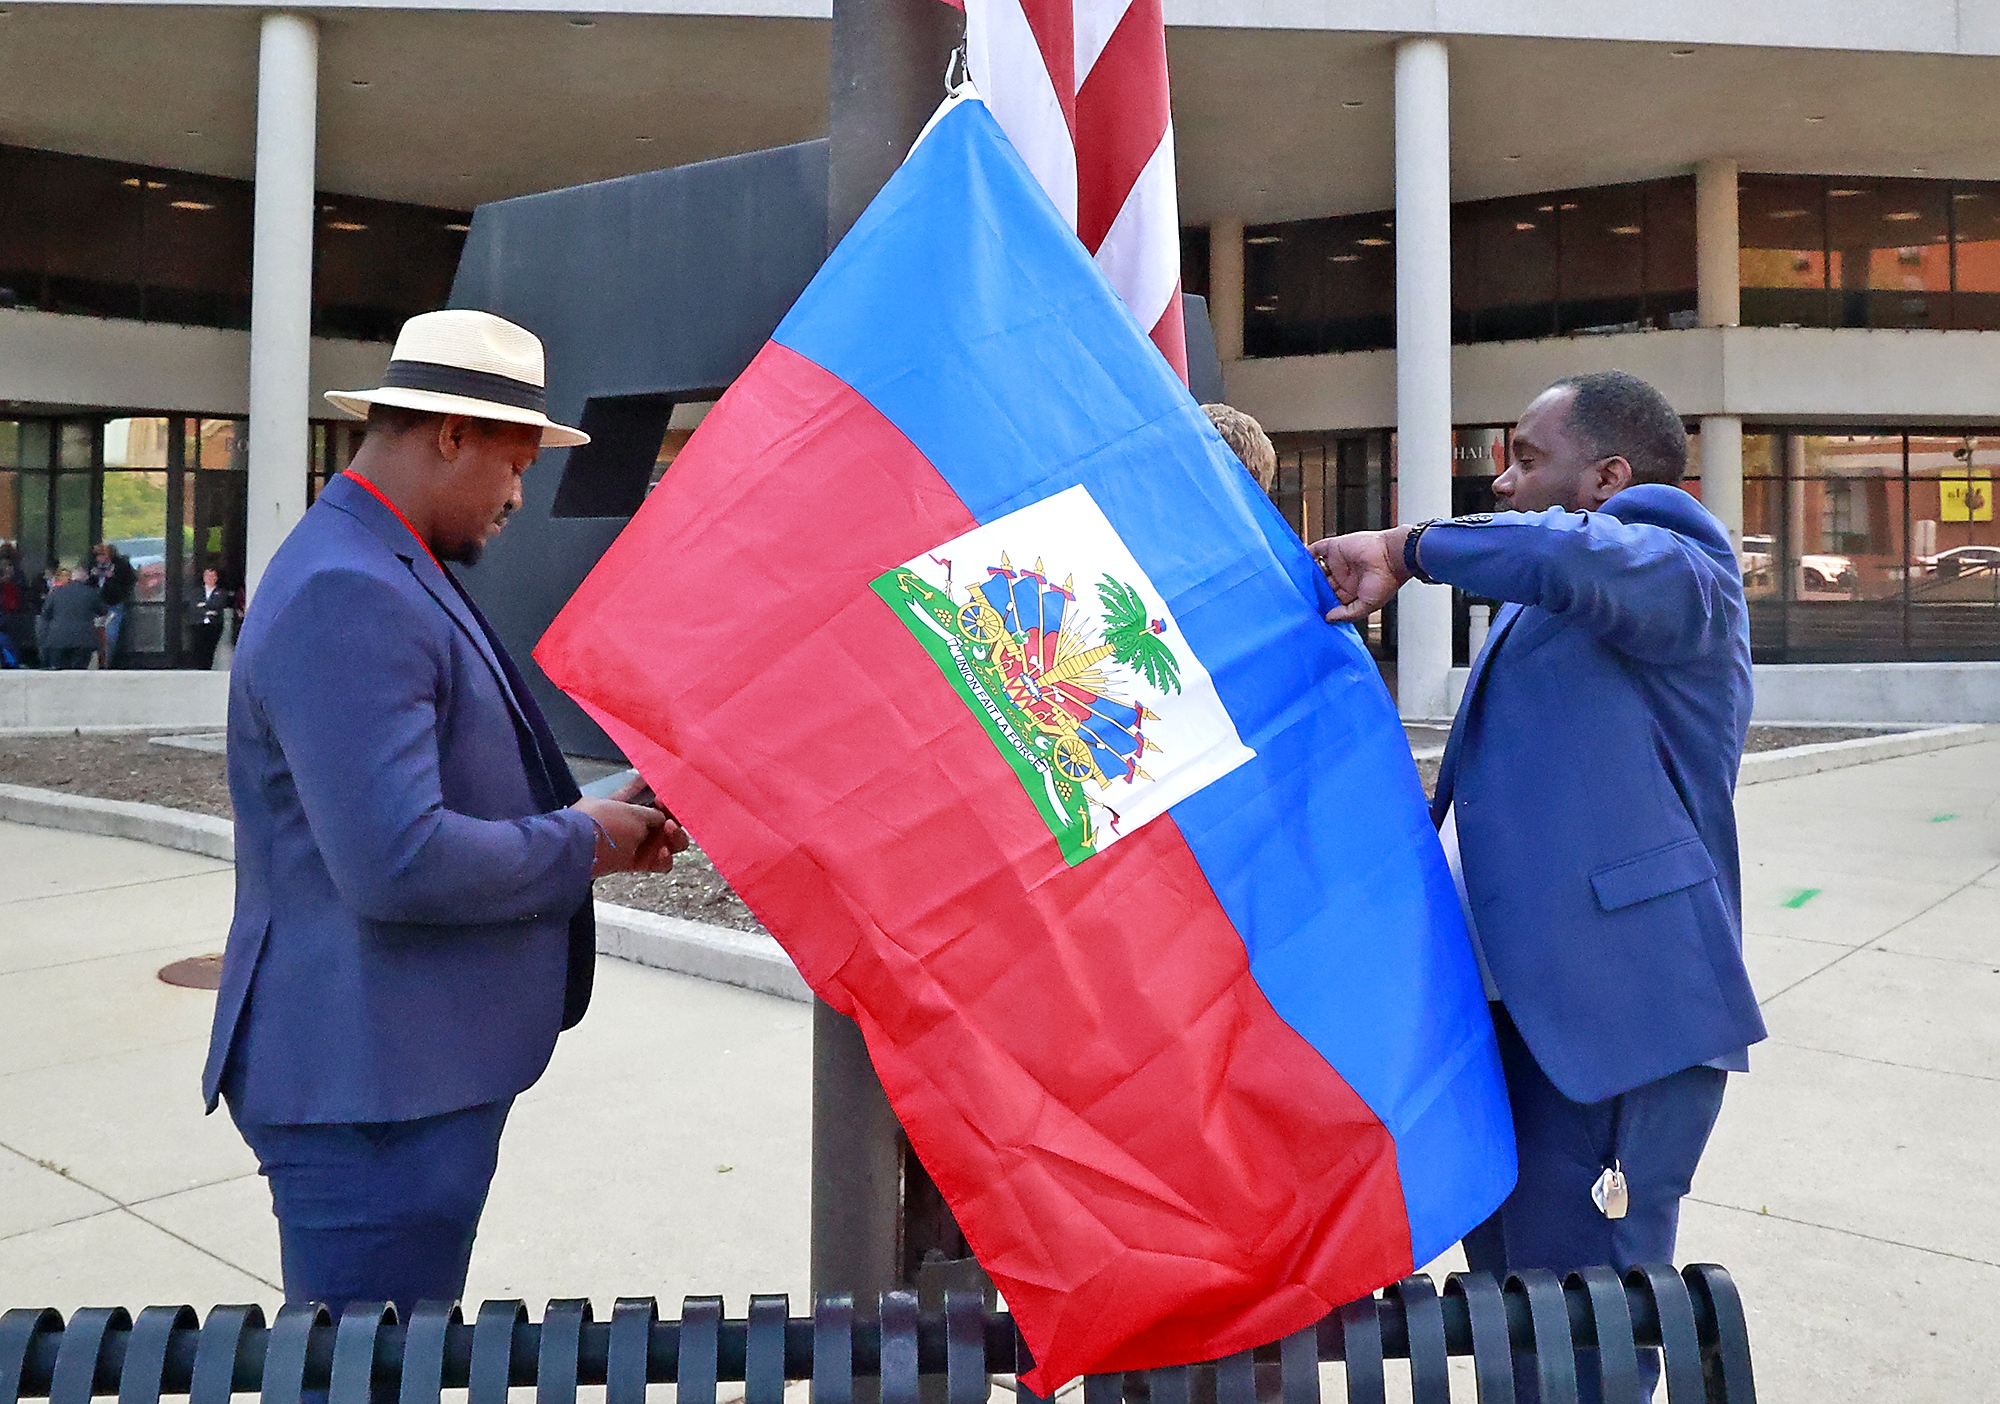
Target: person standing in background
{"x": 207, "y": 618}
{"x": 66, "y": 629}
{"x": 115, "y": 579}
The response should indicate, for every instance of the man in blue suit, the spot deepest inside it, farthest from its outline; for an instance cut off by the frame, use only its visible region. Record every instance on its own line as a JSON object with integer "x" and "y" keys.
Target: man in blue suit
{"x": 1586, "y": 802}
{"x": 413, "y": 861}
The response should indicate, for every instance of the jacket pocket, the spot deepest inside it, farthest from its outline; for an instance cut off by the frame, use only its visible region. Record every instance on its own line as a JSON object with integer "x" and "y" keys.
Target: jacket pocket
{"x": 1654, "y": 874}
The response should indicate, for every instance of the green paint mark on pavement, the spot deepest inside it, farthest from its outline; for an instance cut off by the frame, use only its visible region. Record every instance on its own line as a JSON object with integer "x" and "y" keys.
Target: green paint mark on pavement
{"x": 1800, "y": 898}
{"x": 1942, "y": 818}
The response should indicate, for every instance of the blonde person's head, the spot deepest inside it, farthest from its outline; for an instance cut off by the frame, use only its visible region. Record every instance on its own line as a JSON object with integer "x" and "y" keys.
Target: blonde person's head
{"x": 1247, "y": 437}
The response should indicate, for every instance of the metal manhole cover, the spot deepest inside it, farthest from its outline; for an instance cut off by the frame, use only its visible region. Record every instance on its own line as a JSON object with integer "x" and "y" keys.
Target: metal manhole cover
{"x": 202, "y": 972}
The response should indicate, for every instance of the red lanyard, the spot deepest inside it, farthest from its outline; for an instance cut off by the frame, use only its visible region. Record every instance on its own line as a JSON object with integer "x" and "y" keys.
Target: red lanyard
{"x": 382, "y": 498}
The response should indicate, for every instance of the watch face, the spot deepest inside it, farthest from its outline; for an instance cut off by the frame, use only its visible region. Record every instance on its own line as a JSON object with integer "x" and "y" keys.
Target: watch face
{"x": 1474, "y": 519}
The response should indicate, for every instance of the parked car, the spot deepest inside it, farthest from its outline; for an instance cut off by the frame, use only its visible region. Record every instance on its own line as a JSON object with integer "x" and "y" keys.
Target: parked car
{"x": 1754, "y": 558}
{"x": 1962, "y": 560}
{"x": 1827, "y": 573}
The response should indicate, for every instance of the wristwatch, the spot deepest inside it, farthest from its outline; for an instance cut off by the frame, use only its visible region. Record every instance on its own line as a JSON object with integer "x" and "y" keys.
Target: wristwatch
{"x": 1413, "y": 567}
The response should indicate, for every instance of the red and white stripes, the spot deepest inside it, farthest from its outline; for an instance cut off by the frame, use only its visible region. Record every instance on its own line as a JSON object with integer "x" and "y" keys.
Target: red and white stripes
{"x": 1080, "y": 88}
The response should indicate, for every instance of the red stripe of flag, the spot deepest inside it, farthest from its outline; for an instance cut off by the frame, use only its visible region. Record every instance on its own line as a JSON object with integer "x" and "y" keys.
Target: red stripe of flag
{"x": 1122, "y": 112}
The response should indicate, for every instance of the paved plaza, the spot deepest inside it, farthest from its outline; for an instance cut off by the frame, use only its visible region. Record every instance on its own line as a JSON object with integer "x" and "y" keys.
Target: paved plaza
{"x": 1847, "y": 1188}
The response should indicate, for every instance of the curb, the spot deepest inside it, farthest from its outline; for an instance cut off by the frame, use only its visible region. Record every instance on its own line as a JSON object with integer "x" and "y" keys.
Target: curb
{"x": 146, "y": 823}
{"x": 1795, "y": 761}
{"x": 750, "y": 960}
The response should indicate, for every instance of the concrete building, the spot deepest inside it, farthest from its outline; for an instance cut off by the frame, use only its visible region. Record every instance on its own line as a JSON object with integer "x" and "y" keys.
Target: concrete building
{"x": 1407, "y": 217}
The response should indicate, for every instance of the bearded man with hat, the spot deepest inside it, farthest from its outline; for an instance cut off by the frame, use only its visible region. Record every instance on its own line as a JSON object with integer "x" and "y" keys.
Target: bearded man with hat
{"x": 413, "y": 860}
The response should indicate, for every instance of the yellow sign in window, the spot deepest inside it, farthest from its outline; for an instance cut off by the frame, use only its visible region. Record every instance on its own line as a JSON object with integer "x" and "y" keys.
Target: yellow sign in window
{"x": 1966, "y": 499}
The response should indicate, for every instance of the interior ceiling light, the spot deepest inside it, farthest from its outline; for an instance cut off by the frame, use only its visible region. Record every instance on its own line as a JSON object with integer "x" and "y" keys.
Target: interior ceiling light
{"x": 1789, "y": 214}
{"x": 190, "y": 204}
{"x": 1901, "y": 215}
{"x": 1351, "y": 103}
{"x": 1343, "y": 258}
{"x": 1820, "y": 118}
{"x": 1373, "y": 243}
{"x": 1843, "y": 194}
{"x": 1546, "y": 209}
{"x": 1265, "y": 307}
{"x": 1626, "y": 229}
{"x": 347, "y": 226}
{"x": 459, "y": 228}
{"x": 1523, "y": 224}
{"x": 1570, "y": 206}
{"x": 1963, "y": 195}
{"x": 1264, "y": 239}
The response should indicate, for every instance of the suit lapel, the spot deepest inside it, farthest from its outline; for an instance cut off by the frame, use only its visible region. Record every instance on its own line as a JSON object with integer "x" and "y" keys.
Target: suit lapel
{"x": 539, "y": 748}
{"x": 1475, "y": 680}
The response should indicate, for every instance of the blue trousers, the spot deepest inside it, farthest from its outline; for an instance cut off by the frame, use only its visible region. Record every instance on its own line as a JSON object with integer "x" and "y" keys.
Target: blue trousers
{"x": 379, "y": 1211}
{"x": 1656, "y": 1133}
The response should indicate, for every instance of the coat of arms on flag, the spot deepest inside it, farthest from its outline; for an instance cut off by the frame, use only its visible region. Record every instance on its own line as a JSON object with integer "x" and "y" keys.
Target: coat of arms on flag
{"x": 1088, "y": 691}
{"x": 1018, "y": 724}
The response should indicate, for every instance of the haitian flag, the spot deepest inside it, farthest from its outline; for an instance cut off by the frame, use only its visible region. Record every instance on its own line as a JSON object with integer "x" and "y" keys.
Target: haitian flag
{"x": 974, "y": 659}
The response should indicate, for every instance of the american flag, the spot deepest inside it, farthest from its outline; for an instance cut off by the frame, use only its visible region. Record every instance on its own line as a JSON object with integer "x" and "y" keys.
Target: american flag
{"x": 1080, "y": 88}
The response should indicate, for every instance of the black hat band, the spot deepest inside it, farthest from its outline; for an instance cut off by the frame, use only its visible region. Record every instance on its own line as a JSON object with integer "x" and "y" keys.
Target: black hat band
{"x": 471, "y": 384}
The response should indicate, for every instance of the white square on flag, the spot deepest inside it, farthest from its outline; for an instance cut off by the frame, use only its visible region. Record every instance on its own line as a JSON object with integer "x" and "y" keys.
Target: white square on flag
{"x": 1061, "y": 646}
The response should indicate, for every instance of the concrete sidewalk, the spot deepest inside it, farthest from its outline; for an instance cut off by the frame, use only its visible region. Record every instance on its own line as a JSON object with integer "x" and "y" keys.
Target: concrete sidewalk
{"x": 666, "y": 1152}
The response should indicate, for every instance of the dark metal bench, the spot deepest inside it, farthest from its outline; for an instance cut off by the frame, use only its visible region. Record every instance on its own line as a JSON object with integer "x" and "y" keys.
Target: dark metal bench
{"x": 1694, "y": 1316}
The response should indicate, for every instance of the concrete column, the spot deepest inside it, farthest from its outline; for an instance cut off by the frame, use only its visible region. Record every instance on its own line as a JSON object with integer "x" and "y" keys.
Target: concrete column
{"x": 281, "y": 283}
{"x": 1722, "y": 470}
{"x": 1225, "y": 287}
{"x": 1718, "y": 273}
{"x": 1423, "y": 358}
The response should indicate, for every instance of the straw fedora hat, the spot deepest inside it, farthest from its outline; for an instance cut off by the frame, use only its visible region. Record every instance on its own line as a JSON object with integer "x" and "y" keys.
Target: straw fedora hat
{"x": 463, "y": 362}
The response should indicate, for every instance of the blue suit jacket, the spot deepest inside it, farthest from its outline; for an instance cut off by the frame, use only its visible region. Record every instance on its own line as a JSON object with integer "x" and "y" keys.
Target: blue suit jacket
{"x": 413, "y": 919}
{"x": 1593, "y": 769}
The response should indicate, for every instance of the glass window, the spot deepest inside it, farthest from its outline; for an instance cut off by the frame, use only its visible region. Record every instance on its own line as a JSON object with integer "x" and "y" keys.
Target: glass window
{"x": 135, "y": 521}
{"x": 1603, "y": 258}
{"x": 136, "y": 443}
{"x": 76, "y": 444}
{"x": 21, "y": 257}
{"x": 219, "y": 444}
{"x": 26, "y": 445}
{"x": 1889, "y": 259}
{"x": 1670, "y": 258}
{"x": 1955, "y": 548}
{"x": 1512, "y": 266}
{"x": 1975, "y": 220}
{"x": 34, "y": 521}
{"x": 377, "y": 263}
{"x": 1320, "y": 285}
{"x": 72, "y": 527}
{"x": 197, "y": 250}
{"x": 93, "y": 247}
{"x": 1194, "y": 260}
{"x": 10, "y": 509}
{"x": 1782, "y": 256}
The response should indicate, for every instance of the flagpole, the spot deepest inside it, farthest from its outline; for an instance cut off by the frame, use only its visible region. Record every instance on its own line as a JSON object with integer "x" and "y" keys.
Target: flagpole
{"x": 874, "y": 1213}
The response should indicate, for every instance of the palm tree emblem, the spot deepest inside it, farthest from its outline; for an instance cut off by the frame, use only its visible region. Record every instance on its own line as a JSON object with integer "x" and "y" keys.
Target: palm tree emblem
{"x": 1133, "y": 639}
